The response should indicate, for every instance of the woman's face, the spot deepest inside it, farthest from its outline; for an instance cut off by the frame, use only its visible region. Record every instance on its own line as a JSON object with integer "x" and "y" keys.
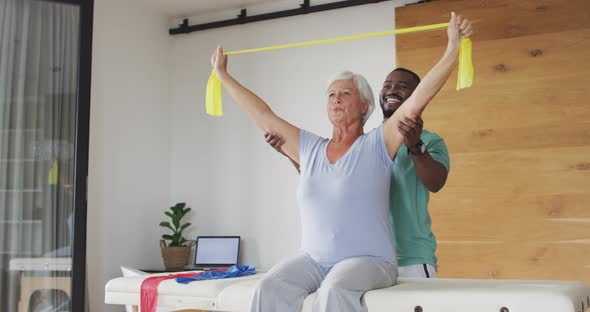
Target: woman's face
{"x": 344, "y": 103}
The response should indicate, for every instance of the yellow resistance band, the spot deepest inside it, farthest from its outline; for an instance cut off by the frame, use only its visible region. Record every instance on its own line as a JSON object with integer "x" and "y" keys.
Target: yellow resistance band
{"x": 213, "y": 94}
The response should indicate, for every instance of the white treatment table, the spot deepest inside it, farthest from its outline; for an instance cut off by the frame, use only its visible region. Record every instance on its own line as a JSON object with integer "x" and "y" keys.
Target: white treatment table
{"x": 409, "y": 295}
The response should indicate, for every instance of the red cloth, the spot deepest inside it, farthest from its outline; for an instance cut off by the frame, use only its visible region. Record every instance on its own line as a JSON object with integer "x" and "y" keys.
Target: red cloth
{"x": 149, "y": 289}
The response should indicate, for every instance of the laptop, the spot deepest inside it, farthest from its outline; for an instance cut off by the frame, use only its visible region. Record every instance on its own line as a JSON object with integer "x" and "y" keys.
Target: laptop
{"x": 214, "y": 252}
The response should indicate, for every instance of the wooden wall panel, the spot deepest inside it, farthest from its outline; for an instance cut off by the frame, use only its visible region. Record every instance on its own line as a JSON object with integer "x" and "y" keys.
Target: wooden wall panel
{"x": 501, "y": 19}
{"x": 514, "y": 261}
{"x": 516, "y": 204}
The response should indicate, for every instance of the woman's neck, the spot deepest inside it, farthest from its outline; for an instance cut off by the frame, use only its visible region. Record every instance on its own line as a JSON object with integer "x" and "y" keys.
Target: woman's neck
{"x": 347, "y": 134}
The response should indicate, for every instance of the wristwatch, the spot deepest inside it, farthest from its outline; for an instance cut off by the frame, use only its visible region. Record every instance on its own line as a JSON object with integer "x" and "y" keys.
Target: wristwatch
{"x": 418, "y": 150}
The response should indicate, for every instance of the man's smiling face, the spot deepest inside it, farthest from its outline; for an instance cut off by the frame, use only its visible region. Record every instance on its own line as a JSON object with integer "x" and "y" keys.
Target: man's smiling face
{"x": 397, "y": 88}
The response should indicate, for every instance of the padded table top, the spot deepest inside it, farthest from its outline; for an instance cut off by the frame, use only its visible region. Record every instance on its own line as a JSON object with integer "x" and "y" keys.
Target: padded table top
{"x": 440, "y": 295}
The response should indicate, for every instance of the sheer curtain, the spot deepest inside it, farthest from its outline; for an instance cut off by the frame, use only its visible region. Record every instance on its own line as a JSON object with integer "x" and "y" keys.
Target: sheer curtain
{"x": 38, "y": 96}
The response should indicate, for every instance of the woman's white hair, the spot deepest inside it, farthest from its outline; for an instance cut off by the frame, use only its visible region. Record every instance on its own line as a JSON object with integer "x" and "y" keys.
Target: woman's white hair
{"x": 362, "y": 85}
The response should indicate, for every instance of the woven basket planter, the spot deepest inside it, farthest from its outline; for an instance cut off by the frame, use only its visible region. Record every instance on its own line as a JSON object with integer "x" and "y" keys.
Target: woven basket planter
{"x": 175, "y": 258}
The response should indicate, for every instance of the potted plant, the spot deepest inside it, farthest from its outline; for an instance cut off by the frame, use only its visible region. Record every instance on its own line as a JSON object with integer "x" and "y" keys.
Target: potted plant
{"x": 176, "y": 252}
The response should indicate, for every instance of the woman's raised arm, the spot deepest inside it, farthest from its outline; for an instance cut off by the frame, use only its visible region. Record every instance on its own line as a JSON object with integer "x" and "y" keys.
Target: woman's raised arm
{"x": 256, "y": 108}
{"x": 430, "y": 85}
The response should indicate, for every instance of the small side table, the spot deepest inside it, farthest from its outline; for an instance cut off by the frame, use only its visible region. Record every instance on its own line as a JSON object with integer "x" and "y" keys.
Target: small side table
{"x": 32, "y": 283}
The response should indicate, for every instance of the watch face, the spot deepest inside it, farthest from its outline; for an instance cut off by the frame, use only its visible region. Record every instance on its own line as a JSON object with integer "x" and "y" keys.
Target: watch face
{"x": 418, "y": 150}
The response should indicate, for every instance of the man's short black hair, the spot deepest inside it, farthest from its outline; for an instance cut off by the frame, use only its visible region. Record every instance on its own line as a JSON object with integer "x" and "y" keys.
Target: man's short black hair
{"x": 413, "y": 74}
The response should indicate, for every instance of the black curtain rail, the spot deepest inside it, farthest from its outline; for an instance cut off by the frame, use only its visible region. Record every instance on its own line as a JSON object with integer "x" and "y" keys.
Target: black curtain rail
{"x": 243, "y": 18}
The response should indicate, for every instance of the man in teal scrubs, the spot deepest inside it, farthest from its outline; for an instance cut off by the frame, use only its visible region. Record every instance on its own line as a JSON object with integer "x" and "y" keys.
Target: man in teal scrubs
{"x": 422, "y": 166}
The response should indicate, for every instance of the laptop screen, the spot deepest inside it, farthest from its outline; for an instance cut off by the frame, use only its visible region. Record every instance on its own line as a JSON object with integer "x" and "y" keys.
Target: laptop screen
{"x": 217, "y": 251}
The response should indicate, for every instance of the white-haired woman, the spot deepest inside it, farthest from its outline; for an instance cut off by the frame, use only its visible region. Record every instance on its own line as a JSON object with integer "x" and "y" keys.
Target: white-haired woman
{"x": 346, "y": 245}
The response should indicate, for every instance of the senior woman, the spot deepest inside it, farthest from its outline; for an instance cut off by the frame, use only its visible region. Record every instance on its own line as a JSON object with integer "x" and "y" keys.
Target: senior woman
{"x": 346, "y": 245}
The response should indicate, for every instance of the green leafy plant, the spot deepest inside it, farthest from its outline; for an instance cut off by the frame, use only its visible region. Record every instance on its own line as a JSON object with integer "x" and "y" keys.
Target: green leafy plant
{"x": 176, "y": 213}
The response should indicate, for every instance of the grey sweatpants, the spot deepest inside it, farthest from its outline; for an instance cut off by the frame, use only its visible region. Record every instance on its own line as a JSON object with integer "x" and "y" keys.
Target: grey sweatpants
{"x": 340, "y": 288}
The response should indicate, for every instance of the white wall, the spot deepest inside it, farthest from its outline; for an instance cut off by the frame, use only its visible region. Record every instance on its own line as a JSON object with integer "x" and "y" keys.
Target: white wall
{"x": 235, "y": 183}
{"x": 152, "y": 145}
{"x": 129, "y": 174}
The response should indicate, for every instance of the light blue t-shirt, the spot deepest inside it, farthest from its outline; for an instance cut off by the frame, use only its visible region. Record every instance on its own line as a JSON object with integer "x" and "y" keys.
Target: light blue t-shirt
{"x": 344, "y": 206}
